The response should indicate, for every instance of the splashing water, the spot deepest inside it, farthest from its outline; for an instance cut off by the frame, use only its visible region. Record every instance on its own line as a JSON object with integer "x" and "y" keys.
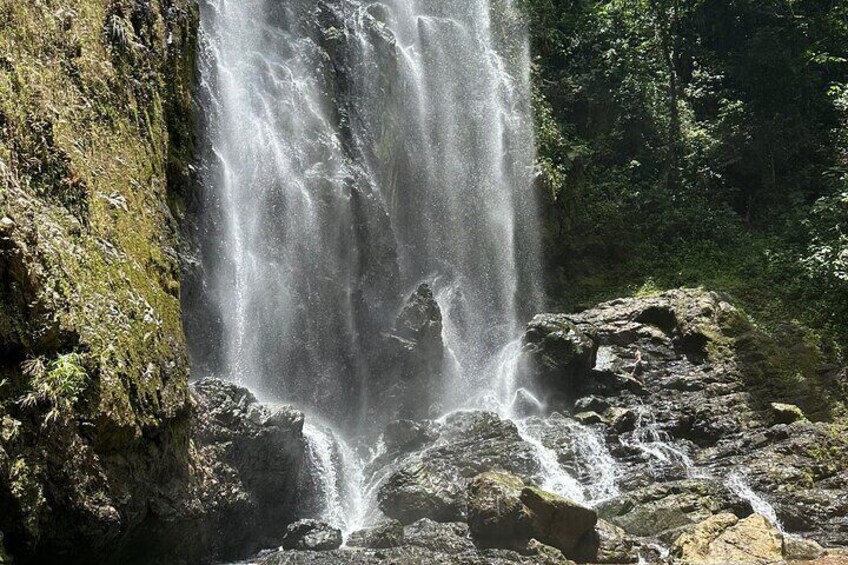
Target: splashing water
{"x": 338, "y": 476}
{"x": 555, "y": 478}
{"x": 738, "y": 484}
{"x": 658, "y": 446}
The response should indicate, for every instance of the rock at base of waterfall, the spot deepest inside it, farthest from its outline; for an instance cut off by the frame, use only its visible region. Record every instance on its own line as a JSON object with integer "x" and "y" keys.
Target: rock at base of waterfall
{"x": 419, "y": 491}
{"x": 661, "y": 510}
{"x": 621, "y": 419}
{"x": 545, "y": 554}
{"x": 557, "y": 521}
{"x": 800, "y": 549}
{"x": 407, "y": 435}
{"x": 496, "y": 515}
{"x": 591, "y": 403}
{"x": 382, "y": 536}
{"x": 409, "y": 361}
{"x": 560, "y": 355}
{"x": 249, "y": 459}
{"x": 312, "y": 535}
{"x": 785, "y": 413}
{"x": 724, "y": 538}
{"x": 588, "y": 418}
{"x": 449, "y": 538}
{"x": 607, "y": 543}
{"x": 503, "y": 512}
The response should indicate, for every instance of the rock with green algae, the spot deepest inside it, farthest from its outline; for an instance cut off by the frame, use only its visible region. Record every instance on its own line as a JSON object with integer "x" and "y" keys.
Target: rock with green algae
{"x": 786, "y": 413}
{"x": 503, "y": 512}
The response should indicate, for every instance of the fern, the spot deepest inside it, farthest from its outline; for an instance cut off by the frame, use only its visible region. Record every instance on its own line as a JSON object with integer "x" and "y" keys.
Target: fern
{"x": 57, "y": 385}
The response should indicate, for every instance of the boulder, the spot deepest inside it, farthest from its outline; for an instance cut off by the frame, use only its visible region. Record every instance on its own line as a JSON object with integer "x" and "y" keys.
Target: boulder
{"x": 382, "y": 536}
{"x": 724, "y": 538}
{"x": 249, "y": 461}
{"x": 504, "y": 513}
{"x": 446, "y": 538}
{"x": 621, "y": 419}
{"x": 800, "y": 549}
{"x": 589, "y": 418}
{"x": 545, "y": 555}
{"x": 312, "y": 535}
{"x": 496, "y": 515}
{"x": 591, "y": 403}
{"x": 559, "y": 356}
{"x": 785, "y": 413}
{"x": 408, "y": 361}
{"x": 607, "y": 543}
{"x": 557, "y": 521}
{"x": 419, "y": 491}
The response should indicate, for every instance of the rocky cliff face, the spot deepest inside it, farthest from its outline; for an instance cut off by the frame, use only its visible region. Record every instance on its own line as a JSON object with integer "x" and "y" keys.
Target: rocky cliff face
{"x": 96, "y": 137}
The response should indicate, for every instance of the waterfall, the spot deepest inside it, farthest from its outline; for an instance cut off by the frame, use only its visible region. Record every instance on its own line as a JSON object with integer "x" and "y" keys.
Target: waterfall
{"x": 353, "y": 150}
{"x": 337, "y": 474}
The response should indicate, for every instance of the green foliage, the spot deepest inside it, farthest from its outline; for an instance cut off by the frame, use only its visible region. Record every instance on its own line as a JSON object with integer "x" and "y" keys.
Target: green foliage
{"x": 58, "y": 385}
{"x": 700, "y": 143}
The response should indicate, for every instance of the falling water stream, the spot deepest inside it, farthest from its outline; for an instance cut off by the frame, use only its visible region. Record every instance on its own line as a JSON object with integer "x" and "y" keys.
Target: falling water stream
{"x": 354, "y": 150}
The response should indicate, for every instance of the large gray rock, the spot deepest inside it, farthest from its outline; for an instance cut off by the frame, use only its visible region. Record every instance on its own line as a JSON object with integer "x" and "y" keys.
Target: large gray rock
{"x": 408, "y": 362}
{"x": 559, "y": 356}
{"x": 249, "y": 461}
{"x": 419, "y": 491}
{"x": 505, "y": 513}
{"x": 382, "y": 536}
{"x": 312, "y": 535}
{"x": 430, "y": 482}
{"x": 496, "y": 515}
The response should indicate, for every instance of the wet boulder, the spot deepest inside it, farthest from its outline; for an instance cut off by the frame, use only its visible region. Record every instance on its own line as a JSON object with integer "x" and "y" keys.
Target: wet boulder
{"x": 446, "y": 538}
{"x": 408, "y": 361}
{"x": 505, "y": 513}
{"x": 382, "y": 536}
{"x": 419, "y": 491}
{"x": 312, "y": 535}
{"x": 249, "y": 461}
{"x": 785, "y": 413}
{"x": 557, "y": 521}
{"x": 496, "y": 515}
{"x": 558, "y": 355}
{"x": 607, "y": 543}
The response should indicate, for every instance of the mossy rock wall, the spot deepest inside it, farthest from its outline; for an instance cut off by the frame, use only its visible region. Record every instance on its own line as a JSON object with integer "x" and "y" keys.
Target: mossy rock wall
{"x": 96, "y": 141}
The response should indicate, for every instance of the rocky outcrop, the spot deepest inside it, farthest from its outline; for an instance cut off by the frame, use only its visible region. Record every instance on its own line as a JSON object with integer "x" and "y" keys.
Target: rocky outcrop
{"x": 419, "y": 491}
{"x": 96, "y": 143}
{"x": 685, "y": 383}
{"x": 408, "y": 367}
{"x": 312, "y": 535}
{"x": 724, "y": 538}
{"x": 382, "y": 536}
{"x": 503, "y": 512}
{"x": 248, "y": 480}
{"x": 560, "y": 356}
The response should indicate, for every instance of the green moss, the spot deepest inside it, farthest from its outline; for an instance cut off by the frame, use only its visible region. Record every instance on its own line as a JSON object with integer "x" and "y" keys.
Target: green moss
{"x": 25, "y": 487}
{"x": 95, "y": 118}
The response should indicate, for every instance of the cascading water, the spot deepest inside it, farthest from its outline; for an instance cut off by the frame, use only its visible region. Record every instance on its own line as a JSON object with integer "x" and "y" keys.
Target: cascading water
{"x": 354, "y": 150}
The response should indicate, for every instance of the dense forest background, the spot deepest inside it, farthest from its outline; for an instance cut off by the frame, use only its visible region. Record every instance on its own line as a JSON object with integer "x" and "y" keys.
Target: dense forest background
{"x": 699, "y": 142}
